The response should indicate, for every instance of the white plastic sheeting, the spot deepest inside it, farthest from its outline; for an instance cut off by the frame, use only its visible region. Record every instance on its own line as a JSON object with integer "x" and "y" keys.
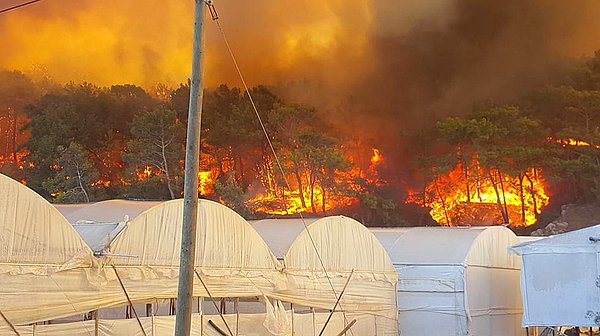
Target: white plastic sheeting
{"x": 560, "y": 279}
{"x": 98, "y": 236}
{"x": 280, "y": 233}
{"x": 323, "y": 258}
{"x": 36, "y": 242}
{"x": 34, "y": 234}
{"x": 243, "y": 324}
{"x": 49, "y": 273}
{"x": 455, "y": 281}
{"x": 112, "y": 211}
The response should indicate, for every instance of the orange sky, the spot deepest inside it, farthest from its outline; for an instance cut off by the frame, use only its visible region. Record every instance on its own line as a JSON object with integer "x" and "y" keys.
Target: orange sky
{"x": 145, "y": 42}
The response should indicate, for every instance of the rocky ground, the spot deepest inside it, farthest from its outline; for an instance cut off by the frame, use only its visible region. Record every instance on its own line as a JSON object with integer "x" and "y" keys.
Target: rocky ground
{"x": 572, "y": 217}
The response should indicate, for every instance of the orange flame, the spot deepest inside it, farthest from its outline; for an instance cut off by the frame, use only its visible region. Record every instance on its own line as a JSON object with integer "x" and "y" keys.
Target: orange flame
{"x": 573, "y": 142}
{"x": 281, "y": 201}
{"x": 146, "y": 173}
{"x": 477, "y": 196}
{"x": 101, "y": 182}
{"x": 206, "y": 182}
{"x": 377, "y": 158}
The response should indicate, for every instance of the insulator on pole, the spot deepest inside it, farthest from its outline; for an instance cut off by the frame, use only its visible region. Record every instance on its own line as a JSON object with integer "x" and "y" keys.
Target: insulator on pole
{"x": 211, "y": 8}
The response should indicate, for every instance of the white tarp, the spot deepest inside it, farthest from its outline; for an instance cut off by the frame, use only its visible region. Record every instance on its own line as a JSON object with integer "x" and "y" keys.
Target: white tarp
{"x": 455, "y": 281}
{"x": 112, "y": 211}
{"x": 560, "y": 279}
{"x": 280, "y": 233}
{"x": 34, "y": 234}
{"x": 305, "y": 324}
{"x": 36, "y": 243}
{"x": 327, "y": 254}
{"x": 62, "y": 279}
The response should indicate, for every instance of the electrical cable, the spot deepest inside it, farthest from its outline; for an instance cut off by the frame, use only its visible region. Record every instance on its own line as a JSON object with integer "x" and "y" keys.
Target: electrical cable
{"x": 216, "y": 19}
{"x": 18, "y": 6}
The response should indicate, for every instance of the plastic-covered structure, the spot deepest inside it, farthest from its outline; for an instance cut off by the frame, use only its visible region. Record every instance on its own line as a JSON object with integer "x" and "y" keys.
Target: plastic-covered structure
{"x": 560, "y": 279}
{"x": 280, "y": 233}
{"x": 455, "y": 281}
{"x": 109, "y": 211}
{"x": 338, "y": 257}
{"x": 49, "y": 273}
{"x": 40, "y": 254}
{"x": 232, "y": 257}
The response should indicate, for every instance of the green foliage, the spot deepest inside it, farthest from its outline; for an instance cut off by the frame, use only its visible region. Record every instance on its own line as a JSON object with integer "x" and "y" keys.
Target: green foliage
{"x": 380, "y": 206}
{"x": 74, "y": 174}
{"x": 233, "y": 196}
{"x": 157, "y": 142}
{"x": 96, "y": 118}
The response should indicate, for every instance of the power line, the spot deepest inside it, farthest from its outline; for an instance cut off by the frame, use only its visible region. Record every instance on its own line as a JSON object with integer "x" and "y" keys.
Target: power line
{"x": 18, "y": 6}
{"x": 215, "y": 18}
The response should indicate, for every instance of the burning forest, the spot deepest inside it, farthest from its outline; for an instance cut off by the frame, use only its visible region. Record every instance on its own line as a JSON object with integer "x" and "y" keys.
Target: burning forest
{"x": 474, "y": 196}
{"x": 455, "y": 112}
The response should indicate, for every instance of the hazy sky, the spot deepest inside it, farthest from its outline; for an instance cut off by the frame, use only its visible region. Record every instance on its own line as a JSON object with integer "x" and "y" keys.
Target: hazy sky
{"x": 390, "y": 62}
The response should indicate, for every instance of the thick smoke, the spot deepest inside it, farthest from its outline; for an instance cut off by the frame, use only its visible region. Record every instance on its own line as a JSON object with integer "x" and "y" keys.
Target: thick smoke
{"x": 387, "y": 65}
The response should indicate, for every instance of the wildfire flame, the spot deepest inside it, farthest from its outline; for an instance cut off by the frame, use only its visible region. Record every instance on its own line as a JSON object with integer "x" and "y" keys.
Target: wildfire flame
{"x": 101, "y": 182}
{"x": 146, "y": 173}
{"x": 573, "y": 142}
{"x": 206, "y": 182}
{"x": 477, "y": 196}
{"x": 377, "y": 158}
{"x": 281, "y": 201}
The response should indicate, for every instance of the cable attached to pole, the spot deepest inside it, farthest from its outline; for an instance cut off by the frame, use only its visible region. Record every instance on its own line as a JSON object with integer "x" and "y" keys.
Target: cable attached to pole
{"x": 18, "y": 6}
{"x": 211, "y": 9}
{"x": 280, "y": 166}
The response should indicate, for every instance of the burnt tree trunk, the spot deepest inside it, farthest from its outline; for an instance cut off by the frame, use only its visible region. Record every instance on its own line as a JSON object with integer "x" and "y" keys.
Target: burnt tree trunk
{"x": 498, "y": 199}
{"x": 14, "y": 136}
{"x": 503, "y": 196}
{"x": 312, "y": 180}
{"x": 323, "y": 202}
{"x": 300, "y": 186}
{"x": 532, "y": 192}
{"x": 465, "y": 169}
{"x": 448, "y": 222}
{"x": 522, "y": 196}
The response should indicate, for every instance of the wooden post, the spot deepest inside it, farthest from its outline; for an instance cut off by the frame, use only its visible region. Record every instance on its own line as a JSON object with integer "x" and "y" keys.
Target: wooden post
{"x": 312, "y": 310}
{"x": 292, "y": 313}
{"x": 336, "y": 303}
{"x": 346, "y": 328}
{"x": 129, "y": 300}
{"x": 185, "y": 289}
{"x": 213, "y": 301}
{"x": 96, "y": 323}
{"x": 236, "y": 306}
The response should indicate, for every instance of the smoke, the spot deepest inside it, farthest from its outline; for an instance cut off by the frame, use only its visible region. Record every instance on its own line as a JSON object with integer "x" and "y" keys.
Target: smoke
{"x": 384, "y": 67}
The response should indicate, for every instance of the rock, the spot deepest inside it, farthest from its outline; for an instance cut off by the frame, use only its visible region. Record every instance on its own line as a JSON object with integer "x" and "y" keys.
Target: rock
{"x": 552, "y": 228}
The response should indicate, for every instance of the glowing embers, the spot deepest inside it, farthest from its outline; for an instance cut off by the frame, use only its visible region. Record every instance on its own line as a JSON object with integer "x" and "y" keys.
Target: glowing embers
{"x": 480, "y": 196}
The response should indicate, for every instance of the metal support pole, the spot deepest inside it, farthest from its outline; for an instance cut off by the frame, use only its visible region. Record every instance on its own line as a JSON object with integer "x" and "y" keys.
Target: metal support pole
{"x": 12, "y": 326}
{"x": 183, "y": 320}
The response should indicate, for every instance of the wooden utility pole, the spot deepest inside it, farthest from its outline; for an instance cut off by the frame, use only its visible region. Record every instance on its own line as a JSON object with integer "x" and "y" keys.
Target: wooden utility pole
{"x": 183, "y": 321}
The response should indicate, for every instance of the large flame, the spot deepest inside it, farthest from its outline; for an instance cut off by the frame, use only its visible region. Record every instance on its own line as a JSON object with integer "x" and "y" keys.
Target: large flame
{"x": 279, "y": 200}
{"x": 478, "y": 196}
